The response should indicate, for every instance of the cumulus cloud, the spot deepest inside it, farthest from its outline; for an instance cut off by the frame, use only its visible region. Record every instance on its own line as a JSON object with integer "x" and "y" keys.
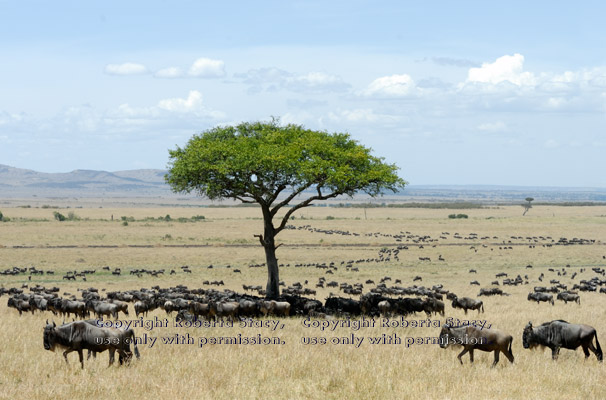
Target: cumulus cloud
{"x": 504, "y": 69}
{"x": 192, "y": 105}
{"x": 193, "y": 102}
{"x": 391, "y": 86}
{"x": 207, "y": 68}
{"x": 169, "y": 73}
{"x": 128, "y": 68}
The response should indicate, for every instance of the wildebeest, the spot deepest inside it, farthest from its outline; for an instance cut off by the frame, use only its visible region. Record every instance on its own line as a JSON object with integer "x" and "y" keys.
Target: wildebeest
{"x": 467, "y": 303}
{"x": 566, "y": 297}
{"x": 223, "y": 309}
{"x": 472, "y": 338}
{"x": 19, "y": 305}
{"x": 557, "y": 334}
{"x": 384, "y": 307}
{"x": 281, "y": 308}
{"x": 101, "y": 308}
{"x": 538, "y": 297}
{"x": 80, "y": 335}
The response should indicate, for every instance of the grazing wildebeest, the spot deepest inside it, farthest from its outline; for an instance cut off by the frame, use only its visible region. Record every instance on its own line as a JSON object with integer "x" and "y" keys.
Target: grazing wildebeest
{"x": 223, "y": 309}
{"x": 281, "y": 308}
{"x": 80, "y": 335}
{"x": 472, "y": 338}
{"x": 566, "y": 297}
{"x": 557, "y": 334}
{"x": 101, "y": 308}
{"x": 467, "y": 303}
{"x": 538, "y": 297}
{"x": 122, "y": 306}
{"x": 19, "y": 305}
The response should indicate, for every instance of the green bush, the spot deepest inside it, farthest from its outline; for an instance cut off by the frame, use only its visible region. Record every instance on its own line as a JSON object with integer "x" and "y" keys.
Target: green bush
{"x": 458, "y": 216}
{"x": 59, "y": 216}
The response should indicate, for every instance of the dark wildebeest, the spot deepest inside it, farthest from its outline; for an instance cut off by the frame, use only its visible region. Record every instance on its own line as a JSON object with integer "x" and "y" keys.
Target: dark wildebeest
{"x": 538, "y": 297}
{"x": 557, "y": 334}
{"x": 472, "y": 338}
{"x": 566, "y": 297}
{"x": 467, "y": 303}
{"x": 80, "y": 335}
{"x": 19, "y": 305}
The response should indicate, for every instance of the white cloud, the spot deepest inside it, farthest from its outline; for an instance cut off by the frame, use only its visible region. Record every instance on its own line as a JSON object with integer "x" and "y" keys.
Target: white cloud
{"x": 391, "y": 86}
{"x": 125, "y": 69}
{"x": 169, "y": 73}
{"x": 192, "y": 106}
{"x": 193, "y": 102}
{"x": 551, "y": 144}
{"x": 504, "y": 69}
{"x": 207, "y": 68}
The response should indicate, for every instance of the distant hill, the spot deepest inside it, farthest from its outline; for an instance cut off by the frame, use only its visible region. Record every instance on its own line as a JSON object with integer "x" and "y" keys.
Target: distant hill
{"x": 18, "y": 182}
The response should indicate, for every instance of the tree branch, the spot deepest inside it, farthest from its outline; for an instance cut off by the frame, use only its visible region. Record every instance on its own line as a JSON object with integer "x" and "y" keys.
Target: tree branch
{"x": 304, "y": 204}
{"x": 289, "y": 198}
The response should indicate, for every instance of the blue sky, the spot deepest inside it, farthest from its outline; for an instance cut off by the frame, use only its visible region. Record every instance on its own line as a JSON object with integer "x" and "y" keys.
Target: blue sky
{"x": 452, "y": 92}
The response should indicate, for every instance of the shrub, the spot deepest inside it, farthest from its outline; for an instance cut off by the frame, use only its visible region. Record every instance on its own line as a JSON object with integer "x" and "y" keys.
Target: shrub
{"x": 59, "y": 216}
{"x": 330, "y": 217}
{"x": 453, "y": 216}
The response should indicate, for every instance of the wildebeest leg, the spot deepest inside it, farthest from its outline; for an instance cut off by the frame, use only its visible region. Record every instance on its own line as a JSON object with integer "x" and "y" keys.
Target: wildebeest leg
{"x": 65, "y": 353}
{"x": 465, "y": 350}
{"x": 465, "y": 311}
{"x": 496, "y": 357}
{"x": 585, "y": 350}
{"x": 554, "y": 353}
{"x": 594, "y": 350}
{"x": 471, "y": 355}
{"x": 81, "y": 356}
{"x": 111, "y": 356}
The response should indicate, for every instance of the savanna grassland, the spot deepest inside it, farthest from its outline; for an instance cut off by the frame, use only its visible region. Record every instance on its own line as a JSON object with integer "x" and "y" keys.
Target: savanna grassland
{"x": 505, "y": 241}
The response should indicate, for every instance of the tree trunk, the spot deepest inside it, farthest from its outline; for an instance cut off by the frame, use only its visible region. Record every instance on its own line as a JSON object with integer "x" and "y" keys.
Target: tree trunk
{"x": 268, "y": 241}
{"x": 273, "y": 273}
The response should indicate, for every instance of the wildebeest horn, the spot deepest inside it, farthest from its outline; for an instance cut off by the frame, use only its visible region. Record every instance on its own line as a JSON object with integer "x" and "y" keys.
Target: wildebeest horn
{"x": 47, "y": 322}
{"x": 54, "y": 325}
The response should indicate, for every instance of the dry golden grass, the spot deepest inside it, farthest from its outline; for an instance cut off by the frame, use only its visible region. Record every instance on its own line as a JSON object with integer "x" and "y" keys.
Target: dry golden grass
{"x": 294, "y": 370}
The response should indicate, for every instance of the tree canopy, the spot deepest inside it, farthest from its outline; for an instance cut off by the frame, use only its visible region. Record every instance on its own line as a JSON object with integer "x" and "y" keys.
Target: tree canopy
{"x": 273, "y": 165}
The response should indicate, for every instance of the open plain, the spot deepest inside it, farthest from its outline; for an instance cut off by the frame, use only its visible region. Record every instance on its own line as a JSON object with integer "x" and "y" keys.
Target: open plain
{"x": 432, "y": 246}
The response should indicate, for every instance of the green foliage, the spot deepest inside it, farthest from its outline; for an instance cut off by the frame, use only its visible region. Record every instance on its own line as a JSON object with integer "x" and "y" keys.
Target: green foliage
{"x": 58, "y": 216}
{"x": 1, "y": 216}
{"x": 125, "y": 223}
{"x": 330, "y": 217}
{"x": 255, "y": 161}
{"x": 127, "y": 219}
{"x": 72, "y": 216}
{"x": 458, "y": 216}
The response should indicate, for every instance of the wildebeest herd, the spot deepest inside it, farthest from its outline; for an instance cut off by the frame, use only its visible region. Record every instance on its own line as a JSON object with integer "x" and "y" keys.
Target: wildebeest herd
{"x": 380, "y": 300}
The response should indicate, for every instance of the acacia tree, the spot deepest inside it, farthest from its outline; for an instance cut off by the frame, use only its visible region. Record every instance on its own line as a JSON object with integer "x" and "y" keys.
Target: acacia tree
{"x": 279, "y": 168}
{"x": 527, "y": 206}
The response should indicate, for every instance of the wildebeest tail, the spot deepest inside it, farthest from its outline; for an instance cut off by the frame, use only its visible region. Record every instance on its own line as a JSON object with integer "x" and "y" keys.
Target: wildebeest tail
{"x": 599, "y": 349}
{"x": 482, "y": 306}
{"x": 509, "y": 349}
{"x": 131, "y": 335}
